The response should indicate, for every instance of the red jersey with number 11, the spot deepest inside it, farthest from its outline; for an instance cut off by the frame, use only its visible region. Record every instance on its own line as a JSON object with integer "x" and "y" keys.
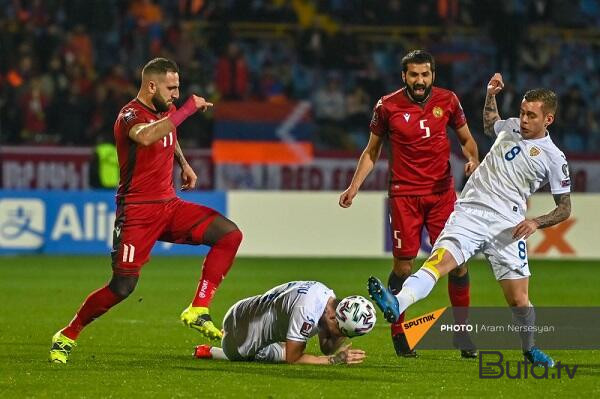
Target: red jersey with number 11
{"x": 146, "y": 172}
{"x": 419, "y": 162}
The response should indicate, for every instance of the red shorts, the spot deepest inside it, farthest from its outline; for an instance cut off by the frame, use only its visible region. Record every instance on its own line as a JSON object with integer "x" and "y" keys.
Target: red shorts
{"x": 408, "y": 215}
{"x": 139, "y": 226}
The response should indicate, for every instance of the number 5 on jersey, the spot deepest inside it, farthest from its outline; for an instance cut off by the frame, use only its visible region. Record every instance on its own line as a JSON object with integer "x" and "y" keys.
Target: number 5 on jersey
{"x": 425, "y": 128}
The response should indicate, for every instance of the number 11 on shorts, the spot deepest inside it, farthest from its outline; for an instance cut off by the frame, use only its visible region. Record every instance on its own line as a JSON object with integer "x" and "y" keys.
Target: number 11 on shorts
{"x": 128, "y": 253}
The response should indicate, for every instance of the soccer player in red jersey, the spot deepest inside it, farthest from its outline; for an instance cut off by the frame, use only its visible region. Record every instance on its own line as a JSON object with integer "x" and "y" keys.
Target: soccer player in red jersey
{"x": 421, "y": 188}
{"x": 149, "y": 210}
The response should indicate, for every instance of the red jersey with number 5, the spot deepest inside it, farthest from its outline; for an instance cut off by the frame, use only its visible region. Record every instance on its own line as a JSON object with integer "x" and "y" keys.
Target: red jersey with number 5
{"x": 419, "y": 159}
{"x": 146, "y": 172}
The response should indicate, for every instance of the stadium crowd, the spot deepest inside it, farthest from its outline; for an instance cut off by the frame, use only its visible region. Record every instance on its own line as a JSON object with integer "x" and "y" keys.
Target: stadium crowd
{"x": 66, "y": 67}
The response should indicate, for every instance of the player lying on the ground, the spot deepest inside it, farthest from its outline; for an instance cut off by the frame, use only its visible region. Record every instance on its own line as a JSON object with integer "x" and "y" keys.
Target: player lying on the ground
{"x": 489, "y": 216}
{"x": 275, "y": 326}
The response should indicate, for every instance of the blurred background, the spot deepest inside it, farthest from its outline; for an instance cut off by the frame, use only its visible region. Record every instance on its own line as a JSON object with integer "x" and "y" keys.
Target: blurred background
{"x": 303, "y": 75}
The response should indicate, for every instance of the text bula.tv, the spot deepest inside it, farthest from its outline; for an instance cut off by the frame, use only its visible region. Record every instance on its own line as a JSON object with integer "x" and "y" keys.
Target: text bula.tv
{"x": 491, "y": 366}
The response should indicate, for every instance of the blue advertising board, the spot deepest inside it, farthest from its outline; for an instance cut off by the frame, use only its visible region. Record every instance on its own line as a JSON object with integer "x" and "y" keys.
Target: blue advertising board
{"x": 76, "y": 222}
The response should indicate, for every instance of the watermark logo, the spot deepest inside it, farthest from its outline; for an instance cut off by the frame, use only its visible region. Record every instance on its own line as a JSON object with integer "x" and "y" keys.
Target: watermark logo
{"x": 22, "y": 223}
{"x": 493, "y": 366}
{"x": 415, "y": 329}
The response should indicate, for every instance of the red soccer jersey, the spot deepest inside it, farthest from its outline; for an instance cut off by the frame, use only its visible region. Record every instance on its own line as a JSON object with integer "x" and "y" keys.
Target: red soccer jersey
{"x": 146, "y": 172}
{"x": 419, "y": 162}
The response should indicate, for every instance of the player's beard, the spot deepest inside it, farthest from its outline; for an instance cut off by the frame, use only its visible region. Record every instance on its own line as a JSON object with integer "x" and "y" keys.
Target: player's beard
{"x": 419, "y": 97}
{"x": 159, "y": 103}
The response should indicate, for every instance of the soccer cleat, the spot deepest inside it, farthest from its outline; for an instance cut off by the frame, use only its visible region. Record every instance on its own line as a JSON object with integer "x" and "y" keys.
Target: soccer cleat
{"x": 199, "y": 319}
{"x": 539, "y": 358}
{"x": 203, "y": 352}
{"x": 61, "y": 348}
{"x": 462, "y": 341}
{"x": 384, "y": 299}
{"x": 468, "y": 353}
{"x": 401, "y": 346}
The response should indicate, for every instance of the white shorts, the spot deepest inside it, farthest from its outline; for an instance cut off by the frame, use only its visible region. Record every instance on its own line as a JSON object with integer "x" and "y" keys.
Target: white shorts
{"x": 471, "y": 229}
{"x": 242, "y": 342}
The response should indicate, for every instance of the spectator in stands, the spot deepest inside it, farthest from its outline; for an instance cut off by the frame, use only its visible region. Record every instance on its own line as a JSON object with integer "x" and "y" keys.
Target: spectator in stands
{"x": 232, "y": 74}
{"x": 79, "y": 49}
{"x": 33, "y": 105}
{"x": 358, "y": 111}
{"x": 572, "y": 119}
{"x": 330, "y": 111}
{"x": 66, "y": 43}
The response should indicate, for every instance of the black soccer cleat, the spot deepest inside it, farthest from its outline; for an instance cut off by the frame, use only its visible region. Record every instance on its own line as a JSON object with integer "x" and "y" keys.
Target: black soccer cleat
{"x": 462, "y": 341}
{"x": 401, "y": 346}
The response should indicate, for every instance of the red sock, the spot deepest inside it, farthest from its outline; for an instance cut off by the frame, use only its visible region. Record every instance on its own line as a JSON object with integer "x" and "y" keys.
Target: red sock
{"x": 397, "y": 326}
{"x": 94, "y": 306}
{"x": 460, "y": 297}
{"x": 217, "y": 263}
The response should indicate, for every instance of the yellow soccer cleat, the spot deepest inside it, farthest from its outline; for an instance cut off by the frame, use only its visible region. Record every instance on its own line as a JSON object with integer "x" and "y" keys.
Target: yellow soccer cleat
{"x": 61, "y": 348}
{"x": 199, "y": 319}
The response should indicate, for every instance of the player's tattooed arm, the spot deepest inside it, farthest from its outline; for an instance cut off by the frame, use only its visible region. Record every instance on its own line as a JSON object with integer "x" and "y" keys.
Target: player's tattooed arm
{"x": 490, "y": 114}
{"x": 528, "y": 226}
{"x": 490, "y": 109}
{"x": 559, "y": 214}
{"x": 179, "y": 155}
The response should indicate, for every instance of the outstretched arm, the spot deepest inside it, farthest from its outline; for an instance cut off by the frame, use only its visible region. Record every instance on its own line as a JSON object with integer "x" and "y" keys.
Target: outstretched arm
{"x": 490, "y": 109}
{"x": 562, "y": 211}
{"x": 294, "y": 354}
{"x": 365, "y": 165}
{"x": 147, "y": 134}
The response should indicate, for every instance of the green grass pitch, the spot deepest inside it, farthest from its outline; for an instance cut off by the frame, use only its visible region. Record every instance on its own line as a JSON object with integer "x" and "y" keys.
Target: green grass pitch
{"x": 140, "y": 348}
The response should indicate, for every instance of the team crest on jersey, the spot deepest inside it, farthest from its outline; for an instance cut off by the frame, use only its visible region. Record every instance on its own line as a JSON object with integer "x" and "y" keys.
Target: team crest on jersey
{"x": 438, "y": 112}
{"x": 534, "y": 151}
{"x": 406, "y": 116}
{"x": 129, "y": 115}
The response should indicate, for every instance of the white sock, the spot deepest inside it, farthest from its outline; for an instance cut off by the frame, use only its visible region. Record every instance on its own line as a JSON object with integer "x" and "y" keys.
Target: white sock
{"x": 416, "y": 287}
{"x": 217, "y": 353}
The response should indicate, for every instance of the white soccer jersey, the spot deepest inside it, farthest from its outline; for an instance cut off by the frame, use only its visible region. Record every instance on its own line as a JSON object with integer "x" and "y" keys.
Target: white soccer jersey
{"x": 288, "y": 311}
{"x": 514, "y": 169}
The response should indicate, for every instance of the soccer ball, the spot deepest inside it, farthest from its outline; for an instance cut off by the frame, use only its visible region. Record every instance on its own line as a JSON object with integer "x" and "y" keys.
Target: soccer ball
{"x": 355, "y": 316}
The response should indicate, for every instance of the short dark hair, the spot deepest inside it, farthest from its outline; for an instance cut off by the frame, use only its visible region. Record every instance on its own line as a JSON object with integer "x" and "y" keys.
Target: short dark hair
{"x": 546, "y": 96}
{"x": 418, "y": 57}
{"x": 159, "y": 66}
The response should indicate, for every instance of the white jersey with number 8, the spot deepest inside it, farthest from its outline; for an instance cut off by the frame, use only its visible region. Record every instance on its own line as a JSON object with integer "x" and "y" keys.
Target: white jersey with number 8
{"x": 514, "y": 169}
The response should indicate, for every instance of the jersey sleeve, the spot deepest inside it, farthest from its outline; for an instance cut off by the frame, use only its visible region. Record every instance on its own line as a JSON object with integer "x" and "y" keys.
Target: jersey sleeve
{"x": 558, "y": 174}
{"x": 379, "y": 121}
{"x": 303, "y": 325}
{"x": 458, "y": 118}
{"x": 128, "y": 118}
{"x": 506, "y": 124}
